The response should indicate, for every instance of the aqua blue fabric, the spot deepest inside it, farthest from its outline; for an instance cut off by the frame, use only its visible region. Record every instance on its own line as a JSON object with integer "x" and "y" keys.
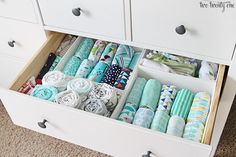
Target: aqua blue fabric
{"x": 134, "y": 60}
{"x": 44, "y": 92}
{"x": 98, "y": 72}
{"x": 143, "y": 117}
{"x": 84, "y": 48}
{"x": 109, "y": 53}
{"x": 128, "y": 113}
{"x": 72, "y": 66}
{"x": 85, "y": 68}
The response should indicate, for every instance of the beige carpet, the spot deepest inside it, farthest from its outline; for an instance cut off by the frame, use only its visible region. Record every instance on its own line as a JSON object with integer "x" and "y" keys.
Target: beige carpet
{"x": 19, "y": 142}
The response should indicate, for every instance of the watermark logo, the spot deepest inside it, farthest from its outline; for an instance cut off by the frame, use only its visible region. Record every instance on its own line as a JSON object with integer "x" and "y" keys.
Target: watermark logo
{"x": 223, "y": 5}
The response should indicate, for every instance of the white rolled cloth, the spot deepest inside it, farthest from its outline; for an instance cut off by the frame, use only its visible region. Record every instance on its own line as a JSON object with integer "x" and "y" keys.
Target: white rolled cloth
{"x": 56, "y": 79}
{"x": 68, "y": 98}
{"x": 94, "y": 105}
{"x": 80, "y": 85}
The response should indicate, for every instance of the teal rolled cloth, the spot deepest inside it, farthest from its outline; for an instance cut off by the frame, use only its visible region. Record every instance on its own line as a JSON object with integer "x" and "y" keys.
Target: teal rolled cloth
{"x": 136, "y": 92}
{"x": 85, "y": 68}
{"x": 182, "y": 103}
{"x": 176, "y": 126}
{"x": 72, "y": 66}
{"x": 151, "y": 94}
{"x": 134, "y": 60}
{"x": 123, "y": 57}
{"x": 98, "y": 72}
{"x": 128, "y": 113}
{"x": 84, "y": 48}
{"x": 160, "y": 121}
{"x": 109, "y": 53}
{"x": 194, "y": 131}
{"x": 143, "y": 117}
{"x": 97, "y": 51}
{"x": 44, "y": 92}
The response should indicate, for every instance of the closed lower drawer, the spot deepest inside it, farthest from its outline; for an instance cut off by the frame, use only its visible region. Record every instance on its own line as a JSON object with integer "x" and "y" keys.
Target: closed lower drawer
{"x": 104, "y": 17}
{"x": 209, "y": 31}
{"x": 22, "y": 10}
{"x": 20, "y": 39}
{"x": 101, "y": 133}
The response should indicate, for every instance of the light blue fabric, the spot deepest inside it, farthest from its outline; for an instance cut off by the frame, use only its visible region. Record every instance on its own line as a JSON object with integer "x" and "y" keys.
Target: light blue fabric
{"x": 72, "y": 66}
{"x": 98, "y": 72}
{"x": 44, "y": 92}
{"x": 128, "y": 113}
{"x": 97, "y": 51}
{"x": 85, "y": 68}
{"x": 143, "y": 117}
{"x": 134, "y": 60}
{"x": 194, "y": 131}
{"x": 160, "y": 121}
{"x": 109, "y": 53}
{"x": 84, "y": 48}
{"x": 176, "y": 126}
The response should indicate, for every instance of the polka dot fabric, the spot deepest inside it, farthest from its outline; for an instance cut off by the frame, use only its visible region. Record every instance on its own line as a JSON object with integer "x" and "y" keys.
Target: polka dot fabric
{"x": 112, "y": 74}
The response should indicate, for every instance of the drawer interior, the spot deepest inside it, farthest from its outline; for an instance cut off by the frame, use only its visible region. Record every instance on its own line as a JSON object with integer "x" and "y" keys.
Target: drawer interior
{"x": 195, "y": 84}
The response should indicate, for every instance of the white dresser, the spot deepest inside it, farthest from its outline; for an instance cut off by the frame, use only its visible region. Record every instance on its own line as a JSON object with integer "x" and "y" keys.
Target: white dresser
{"x": 180, "y": 27}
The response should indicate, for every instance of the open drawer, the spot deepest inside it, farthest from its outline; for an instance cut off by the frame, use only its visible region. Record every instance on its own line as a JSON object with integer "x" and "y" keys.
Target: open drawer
{"x": 96, "y": 132}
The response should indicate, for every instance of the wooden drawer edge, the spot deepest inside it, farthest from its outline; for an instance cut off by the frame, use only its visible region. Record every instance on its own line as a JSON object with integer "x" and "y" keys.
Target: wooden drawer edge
{"x": 214, "y": 106}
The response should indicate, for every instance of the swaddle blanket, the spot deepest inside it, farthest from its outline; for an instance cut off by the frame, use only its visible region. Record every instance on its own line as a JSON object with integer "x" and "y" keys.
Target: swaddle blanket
{"x": 111, "y": 74}
{"x": 157, "y": 66}
{"x": 65, "y": 45}
{"x": 97, "y": 51}
{"x": 44, "y": 92}
{"x": 160, "y": 121}
{"x": 84, "y": 48}
{"x": 72, "y": 66}
{"x": 105, "y": 93}
{"x": 68, "y": 98}
{"x": 123, "y": 57}
{"x": 194, "y": 131}
{"x": 56, "y": 79}
{"x": 182, "y": 103}
{"x": 123, "y": 78}
{"x": 98, "y": 72}
{"x": 176, "y": 126}
{"x": 94, "y": 105}
{"x": 134, "y": 60}
{"x": 151, "y": 94}
{"x": 143, "y": 117}
{"x": 208, "y": 70}
{"x": 85, "y": 68}
{"x": 109, "y": 53}
{"x": 128, "y": 113}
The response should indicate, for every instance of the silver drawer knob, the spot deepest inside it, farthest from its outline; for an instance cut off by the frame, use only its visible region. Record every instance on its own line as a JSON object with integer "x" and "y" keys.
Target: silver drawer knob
{"x": 11, "y": 43}
{"x": 180, "y": 30}
{"x": 76, "y": 11}
{"x": 42, "y": 124}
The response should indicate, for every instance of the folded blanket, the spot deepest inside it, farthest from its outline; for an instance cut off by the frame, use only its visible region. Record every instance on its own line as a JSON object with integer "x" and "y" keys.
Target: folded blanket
{"x": 84, "y": 48}
{"x": 123, "y": 57}
{"x": 44, "y": 92}
{"x": 134, "y": 60}
{"x": 72, "y": 66}
{"x": 56, "y": 79}
{"x": 122, "y": 79}
{"x": 128, "y": 113}
{"x": 143, "y": 117}
{"x": 151, "y": 94}
{"x": 157, "y": 66}
{"x": 160, "y": 121}
{"x": 176, "y": 126}
{"x": 68, "y": 98}
{"x": 111, "y": 74}
{"x": 194, "y": 131}
{"x": 109, "y": 53}
{"x": 208, "y": 70}
{"x": 85, "y": 68}
{"x": 182, "y": 103}
{"x": 98, "y": 72}
{"x": 94, "y": 105}
{"x": 65, "y": 45}
{"x": 55, "y": 62}
{"x": 97, "y": 51}
{"x": 168, "y": 94}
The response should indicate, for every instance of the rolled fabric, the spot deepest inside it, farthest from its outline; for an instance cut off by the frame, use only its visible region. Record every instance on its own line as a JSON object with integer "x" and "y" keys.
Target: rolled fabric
{"x": 194, "y": 131}
{"x": 128, "y": 113}
{"x": 208, "y": 70}
{"x": 72, "y": 66}
{"x": 84, "y": 48}
{"x": 97, "y": 51}
{"x": 80, "y": 85}
{"x": 28, "y": 86}
{"x": 56, "y": 79}
{"x": 160, "y": 121}
{"x": 134, "y": 60}
{"x": 200, "y": 108}
{"x": 136, "y": 92}
{"x": 182, "y": 103}
{"x": 143, "y": 117}
{"x": 44, "y": 92}
{"x": 105, "y": 93}
{"x": 157, "y": 66}
{"x": 46, "y": 66}
{"x": 96, "y": 106}
{"x": 98, "y": 72}
{"x": 68, "y": 98}
{"x": 109, "y": 53}
{"x": 176, "y": 126}
{"x": 122, "y": 79}
{"x": 65, "y": 45}
{"x": 123, "y": 57}
{"x": 55, "y": 62}
{"x": 151, "y": 94}
{"x": 111, "y": 74}
{"x": 168, "y": 94}
{"x": 85, "y": 68}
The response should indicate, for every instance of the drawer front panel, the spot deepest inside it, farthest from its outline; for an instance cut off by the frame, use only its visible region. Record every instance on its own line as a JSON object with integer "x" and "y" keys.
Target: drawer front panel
{"x": 103, "y": 17}
{"x": 27, "y": 38}
{"x": 22, "y": 10}
{"x": 209, "y": 32}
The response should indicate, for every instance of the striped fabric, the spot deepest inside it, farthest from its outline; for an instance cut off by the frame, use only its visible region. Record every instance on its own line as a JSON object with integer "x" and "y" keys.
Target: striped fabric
{"x": 182, "y": 103}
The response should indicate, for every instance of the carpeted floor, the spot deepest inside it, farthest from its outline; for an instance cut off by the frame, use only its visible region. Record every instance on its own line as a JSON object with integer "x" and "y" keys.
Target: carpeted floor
{"x": 19, "y": 142}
